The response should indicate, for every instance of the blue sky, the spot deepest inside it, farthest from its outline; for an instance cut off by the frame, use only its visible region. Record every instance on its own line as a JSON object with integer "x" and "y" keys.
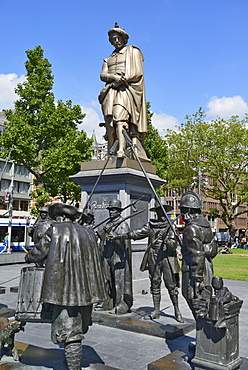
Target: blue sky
{"x": 195, "y": 52}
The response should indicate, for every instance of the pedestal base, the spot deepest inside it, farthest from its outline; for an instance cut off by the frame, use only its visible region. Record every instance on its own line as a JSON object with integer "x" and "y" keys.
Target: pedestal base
{"x": 164, "y": 327}
{"x": 218, "y": 348}
{"x": 179, "y": 360}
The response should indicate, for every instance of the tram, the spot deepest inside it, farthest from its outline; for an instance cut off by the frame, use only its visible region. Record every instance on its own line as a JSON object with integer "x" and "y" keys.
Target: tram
{"x": 20, "y": 240}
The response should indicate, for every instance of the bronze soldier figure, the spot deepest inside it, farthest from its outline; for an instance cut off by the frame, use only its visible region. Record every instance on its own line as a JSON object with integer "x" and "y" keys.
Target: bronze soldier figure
{"x": 198, "y": 249}
{"x": 116, "y": 260}
{"x": 73, "y": 278}
{"x": 160, "y": 258}
{"x": 41, "y": 225}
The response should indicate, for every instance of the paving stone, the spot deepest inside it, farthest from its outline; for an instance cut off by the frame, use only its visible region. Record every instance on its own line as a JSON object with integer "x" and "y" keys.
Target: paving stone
{"x": 142, "y": 349}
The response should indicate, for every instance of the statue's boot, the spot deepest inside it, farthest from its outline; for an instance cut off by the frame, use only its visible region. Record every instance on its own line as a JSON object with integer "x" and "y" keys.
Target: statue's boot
{"x": 156, "y": 301}
{"x": 174, "y": 300}
{"x": 73, "y": 355}
{"x": 122, "y": 308}
{"x": 120, "y": 126}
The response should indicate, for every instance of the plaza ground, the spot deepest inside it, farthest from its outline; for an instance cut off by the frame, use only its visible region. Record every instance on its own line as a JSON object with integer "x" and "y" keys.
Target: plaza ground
{"x": 113, "y": 347}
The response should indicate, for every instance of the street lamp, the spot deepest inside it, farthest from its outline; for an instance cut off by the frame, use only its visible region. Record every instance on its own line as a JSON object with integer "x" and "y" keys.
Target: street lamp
{"x": 199, "y": 179}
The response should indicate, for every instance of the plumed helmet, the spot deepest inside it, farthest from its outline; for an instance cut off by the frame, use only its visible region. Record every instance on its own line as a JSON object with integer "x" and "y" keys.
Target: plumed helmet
{"x": 166, "y": 206}
{"x": 62, "y": 209}
{"x": 119, "y": 30}
{"x": 115, "y": 203}
{"x": 191, "y": 200}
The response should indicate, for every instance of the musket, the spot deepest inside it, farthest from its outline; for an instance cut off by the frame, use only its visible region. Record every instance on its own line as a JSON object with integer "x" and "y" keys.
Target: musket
{"x": 132, "y": 204}
{"x": 109, "y": 155}
{"x": 143, "y": 265}
{"x": 126, "y": 218}
{"x": 130, "y": 144}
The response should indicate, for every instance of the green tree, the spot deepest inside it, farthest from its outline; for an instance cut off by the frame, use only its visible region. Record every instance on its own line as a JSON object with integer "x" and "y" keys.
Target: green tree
{"x": 219, "y": 150}
{"x": 42, "y": 133}
{"x": 155, "y": 145}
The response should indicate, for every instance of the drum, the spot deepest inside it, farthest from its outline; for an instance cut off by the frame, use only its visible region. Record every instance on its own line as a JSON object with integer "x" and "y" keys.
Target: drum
{"x": 29, "y": 307}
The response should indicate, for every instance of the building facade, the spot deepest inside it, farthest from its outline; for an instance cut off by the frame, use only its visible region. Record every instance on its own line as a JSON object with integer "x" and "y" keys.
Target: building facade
{"x": 216, "y": 223}
{"x": 15, "y": 179}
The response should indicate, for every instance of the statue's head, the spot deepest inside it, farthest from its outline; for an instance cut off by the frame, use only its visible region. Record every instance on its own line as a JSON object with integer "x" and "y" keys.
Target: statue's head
{"x": 190, "y": 205}
{"x": 114, "y": 208}
{"x": 43, "y": 212}
{"x": 217, "y": 282}
{"x": 158, "y": 209}
{"x": 118, "y": 36}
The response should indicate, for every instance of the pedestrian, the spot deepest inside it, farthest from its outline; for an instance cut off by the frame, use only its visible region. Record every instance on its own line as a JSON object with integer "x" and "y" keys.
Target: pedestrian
{"x": 6, "y": 243}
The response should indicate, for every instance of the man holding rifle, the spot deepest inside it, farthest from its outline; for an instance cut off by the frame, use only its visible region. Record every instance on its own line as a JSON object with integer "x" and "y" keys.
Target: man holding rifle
{"x": 160, "y": 258}
{"x": 116, "y": 260}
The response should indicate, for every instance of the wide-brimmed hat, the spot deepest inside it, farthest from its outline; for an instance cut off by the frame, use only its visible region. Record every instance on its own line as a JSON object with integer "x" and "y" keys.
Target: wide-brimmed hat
{"x": 121, "y": 31}
{"x": 116, "y": 203}
{"x": 62, "y": 209}
{"x": 44, "y": 209}
{"x": 166, "y": 206}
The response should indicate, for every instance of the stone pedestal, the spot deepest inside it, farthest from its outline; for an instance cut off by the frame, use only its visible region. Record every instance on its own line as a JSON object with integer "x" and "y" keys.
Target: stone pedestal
{"x": 218, "y": 348}
{"x": 122, "y": 179}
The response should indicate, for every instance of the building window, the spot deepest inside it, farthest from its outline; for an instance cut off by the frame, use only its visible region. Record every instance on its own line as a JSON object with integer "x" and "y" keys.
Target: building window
{"x": 21, "y": 187}
{"x": 16, "y": 205}
{"x": 24, "y": 205}
{"x": 21, "y": 171}
{"x": 6, "y": 167}
{"x": 5, "y": 184}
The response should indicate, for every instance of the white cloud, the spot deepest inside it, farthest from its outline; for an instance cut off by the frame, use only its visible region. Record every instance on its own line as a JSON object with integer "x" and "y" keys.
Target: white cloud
{"x": 91, "y": 123}
{"x": 163, "y": 121}
{"x": 8, "y": 83}
{"x": 226, "y": 107}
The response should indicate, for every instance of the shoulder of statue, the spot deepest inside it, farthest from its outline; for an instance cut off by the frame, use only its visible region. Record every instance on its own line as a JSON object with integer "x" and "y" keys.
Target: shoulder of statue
{"x": 133, "y": 47}
{"x": 201, "y": 221}
{"x": 136, "y": 49}
{"x": 191, "y": 229}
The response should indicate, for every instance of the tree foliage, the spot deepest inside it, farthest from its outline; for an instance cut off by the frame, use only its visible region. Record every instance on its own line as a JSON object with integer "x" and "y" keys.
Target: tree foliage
{"x": 42, "y": 133}
{"x": 219, "y": 149}
{"x": 155, "y": 145}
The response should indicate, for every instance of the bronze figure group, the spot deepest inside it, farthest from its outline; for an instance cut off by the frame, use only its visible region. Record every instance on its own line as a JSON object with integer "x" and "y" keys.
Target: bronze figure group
{"x": 84, "y": 266}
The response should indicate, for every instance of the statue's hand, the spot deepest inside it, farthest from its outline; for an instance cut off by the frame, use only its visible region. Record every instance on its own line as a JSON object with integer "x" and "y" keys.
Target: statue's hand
{"x": 107, "y": 228}
{"x": 119, "y": 80}
{"x": 27, "y": 258}
{"x": 198, "y": 288}
{"x": 120, "y": 237}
